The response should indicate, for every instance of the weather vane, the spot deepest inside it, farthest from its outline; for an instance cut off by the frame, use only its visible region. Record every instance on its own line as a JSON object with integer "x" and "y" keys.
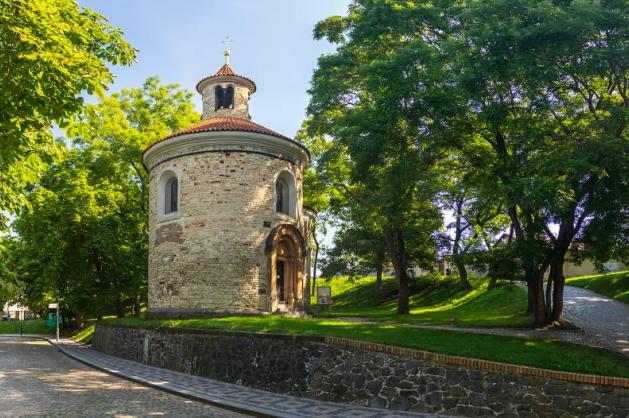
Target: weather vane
{"x": 226, "y": 42}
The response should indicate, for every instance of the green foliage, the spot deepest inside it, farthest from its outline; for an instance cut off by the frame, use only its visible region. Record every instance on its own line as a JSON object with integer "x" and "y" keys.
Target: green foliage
{"x": 50, "y": 54}
{"x": 535, "y": 353}
{"x": 613, "y": 285}
{"x": 84, "y": 234}
{"x": 357, "y": 251}
{"x": 529, "y": 95}
{"x": 435, "y": 299}
{"x": 31, "y": 326}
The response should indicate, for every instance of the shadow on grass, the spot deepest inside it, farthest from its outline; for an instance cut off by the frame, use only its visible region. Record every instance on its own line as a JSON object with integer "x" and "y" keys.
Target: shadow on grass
{"x": 438, "y": 302}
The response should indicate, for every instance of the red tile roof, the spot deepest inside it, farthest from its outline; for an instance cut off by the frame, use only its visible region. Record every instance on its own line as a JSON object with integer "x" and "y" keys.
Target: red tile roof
{"x": 224, "y": 70}
{"x": 227, "y": 71}
{"x": 223, "y": 124}
{"x": 217, "y": 124}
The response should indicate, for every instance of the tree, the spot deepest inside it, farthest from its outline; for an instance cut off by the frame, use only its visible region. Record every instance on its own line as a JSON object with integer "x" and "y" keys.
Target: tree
{"x": 531, "y": 93}
{"x": 86, "y": 236}
{"x": 356, "y": 99}
{"x": 98, "y": 247}
{"x": 317, "y": 194}
{"x": 357, "y": 251}
{"x": 545, "y": 85}
{"x": 50, "y": 54}
{"x": 124, "y": 124}
{"x": 477, "y": 217}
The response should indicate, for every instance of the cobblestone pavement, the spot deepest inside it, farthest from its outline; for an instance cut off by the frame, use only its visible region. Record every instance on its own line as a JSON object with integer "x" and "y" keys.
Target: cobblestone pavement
{"x": 604, "y": 320}
{"x": 36, "y": 380}
{"x": 219, "y": 393}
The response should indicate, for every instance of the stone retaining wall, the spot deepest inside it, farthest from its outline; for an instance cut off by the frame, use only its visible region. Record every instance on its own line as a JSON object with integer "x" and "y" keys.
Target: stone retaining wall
{"x": 307, "y": 366}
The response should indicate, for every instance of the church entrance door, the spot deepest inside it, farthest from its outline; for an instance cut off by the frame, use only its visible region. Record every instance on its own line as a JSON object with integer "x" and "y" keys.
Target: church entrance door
{"x": 285, "y": 248}
{"x": 279, "y": 281}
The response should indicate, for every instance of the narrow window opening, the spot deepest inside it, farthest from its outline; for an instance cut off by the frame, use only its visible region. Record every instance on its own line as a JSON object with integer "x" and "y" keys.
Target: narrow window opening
{"x": 223, "y": 97}
{"x": 219, "y": 97}
{"x": 281, "y": 201}
{"x": 229, "y": 98}
{"x": 172, "y": 192}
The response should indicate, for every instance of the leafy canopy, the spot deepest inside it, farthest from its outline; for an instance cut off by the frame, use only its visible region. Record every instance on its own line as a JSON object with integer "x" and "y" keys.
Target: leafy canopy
{"x": 51, "y": 52}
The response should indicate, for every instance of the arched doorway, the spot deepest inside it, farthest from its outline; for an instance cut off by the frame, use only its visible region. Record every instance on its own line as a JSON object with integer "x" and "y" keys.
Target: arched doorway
{"x": 285, "y": 247}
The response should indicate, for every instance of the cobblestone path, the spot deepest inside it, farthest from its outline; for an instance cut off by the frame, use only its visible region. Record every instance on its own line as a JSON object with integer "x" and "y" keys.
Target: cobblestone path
{"x": 604, "y": 320}
{"x": 36, "y": 380}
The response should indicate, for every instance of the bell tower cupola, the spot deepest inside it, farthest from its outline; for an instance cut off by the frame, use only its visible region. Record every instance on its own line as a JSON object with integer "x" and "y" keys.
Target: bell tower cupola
{"x": 225, "y": 93}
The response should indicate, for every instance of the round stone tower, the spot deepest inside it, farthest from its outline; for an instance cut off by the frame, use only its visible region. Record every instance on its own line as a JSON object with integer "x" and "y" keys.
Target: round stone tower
{"x": 227, "y": 227}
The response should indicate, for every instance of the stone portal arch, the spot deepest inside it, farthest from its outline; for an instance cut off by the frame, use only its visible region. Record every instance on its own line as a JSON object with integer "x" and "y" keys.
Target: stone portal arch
{"x": 285, "y": 249}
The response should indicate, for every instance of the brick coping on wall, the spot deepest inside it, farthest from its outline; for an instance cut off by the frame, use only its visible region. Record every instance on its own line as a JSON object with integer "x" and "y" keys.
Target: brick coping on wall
{"x": 486, "y": 365}
{"x": 492, "y": 366}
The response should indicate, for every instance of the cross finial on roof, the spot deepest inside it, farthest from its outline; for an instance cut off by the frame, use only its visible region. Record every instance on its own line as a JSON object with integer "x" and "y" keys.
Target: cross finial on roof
{"x": 226, "y": 42}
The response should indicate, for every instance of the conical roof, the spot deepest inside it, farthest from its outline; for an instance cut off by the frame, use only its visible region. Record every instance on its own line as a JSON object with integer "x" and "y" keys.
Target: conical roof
{"x": 227, "y": 73}
{"x": 218, "y": 124}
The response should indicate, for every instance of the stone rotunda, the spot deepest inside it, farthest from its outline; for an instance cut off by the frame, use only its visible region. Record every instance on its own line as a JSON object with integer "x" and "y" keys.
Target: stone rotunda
{"x": 227, "y": 227}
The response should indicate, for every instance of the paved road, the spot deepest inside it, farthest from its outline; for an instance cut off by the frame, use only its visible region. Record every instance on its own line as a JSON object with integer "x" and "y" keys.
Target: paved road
{"x": 604, "y": 320}
{"x": 37, "y": 380}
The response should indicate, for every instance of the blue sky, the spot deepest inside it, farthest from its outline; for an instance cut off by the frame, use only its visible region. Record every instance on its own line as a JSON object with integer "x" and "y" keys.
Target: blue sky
{"x": 181, "y": 41}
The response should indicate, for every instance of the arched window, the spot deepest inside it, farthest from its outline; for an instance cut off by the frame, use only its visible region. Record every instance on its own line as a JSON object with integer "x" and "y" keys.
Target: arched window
{"x": 281, "y": 200}
{"x": 229, "y": 97}
{"x": 219, "y": 96}
{"x": 171, "y": 194}
{"x": 168, "y": 194}
{"x": 223, "y": 97}
{"x": 286, "y": 194}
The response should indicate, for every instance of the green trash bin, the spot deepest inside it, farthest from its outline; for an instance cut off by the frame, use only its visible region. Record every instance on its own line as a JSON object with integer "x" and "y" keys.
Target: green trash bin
{"x": 52, "y": 320}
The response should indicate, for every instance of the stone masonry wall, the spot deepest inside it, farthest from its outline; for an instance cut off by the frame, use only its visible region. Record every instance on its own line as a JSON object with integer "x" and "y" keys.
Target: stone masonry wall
{"x": 306, "y": 366}
{"x": 241, "y": 102}
{"x": 211, "y": 258}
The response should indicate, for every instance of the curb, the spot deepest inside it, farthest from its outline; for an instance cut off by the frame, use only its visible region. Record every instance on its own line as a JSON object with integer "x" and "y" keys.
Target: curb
{"x": 72, "y": 349}
{"x": 234, "y": 406}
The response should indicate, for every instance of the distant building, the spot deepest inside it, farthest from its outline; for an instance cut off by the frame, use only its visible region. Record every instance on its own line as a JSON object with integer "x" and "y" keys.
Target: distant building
{"x": 16, "y": 311}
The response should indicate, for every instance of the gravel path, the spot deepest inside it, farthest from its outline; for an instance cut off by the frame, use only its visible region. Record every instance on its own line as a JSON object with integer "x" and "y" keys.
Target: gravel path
{"x": 36, "y": 380}
{"x": 604, "y": 321}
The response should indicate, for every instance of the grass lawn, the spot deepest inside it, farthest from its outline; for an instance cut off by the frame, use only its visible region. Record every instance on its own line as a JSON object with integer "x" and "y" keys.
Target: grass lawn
{"x": 436, "y": 302}
{"x": 84, "y": 334}
{"x": 613, "y": 285}
{"x": 536, "y": 353}
{"x": 31, "y": 326}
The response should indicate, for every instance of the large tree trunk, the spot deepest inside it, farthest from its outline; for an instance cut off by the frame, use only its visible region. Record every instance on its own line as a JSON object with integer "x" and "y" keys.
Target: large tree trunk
{"x": 539, "y": 309}
{"x": 531, "y": 298}
{"x": 379, "y": 269}
{"x": 456, "y": 256}
{"x": 119, "y": 308}
{"x": 559, "y": 281}
{"x": 463, "y": 280}
{"x": 397, "y": 251}
{"x": 549, "y": 288}
{"x": 137, "y": 302}
{"x": 380, "y": 254}
{"x": 79, "y": 319}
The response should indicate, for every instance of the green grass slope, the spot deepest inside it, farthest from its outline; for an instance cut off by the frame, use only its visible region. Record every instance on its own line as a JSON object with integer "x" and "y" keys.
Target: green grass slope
{"x": 438, "y": 301}
{"x": 613, "y": 285}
